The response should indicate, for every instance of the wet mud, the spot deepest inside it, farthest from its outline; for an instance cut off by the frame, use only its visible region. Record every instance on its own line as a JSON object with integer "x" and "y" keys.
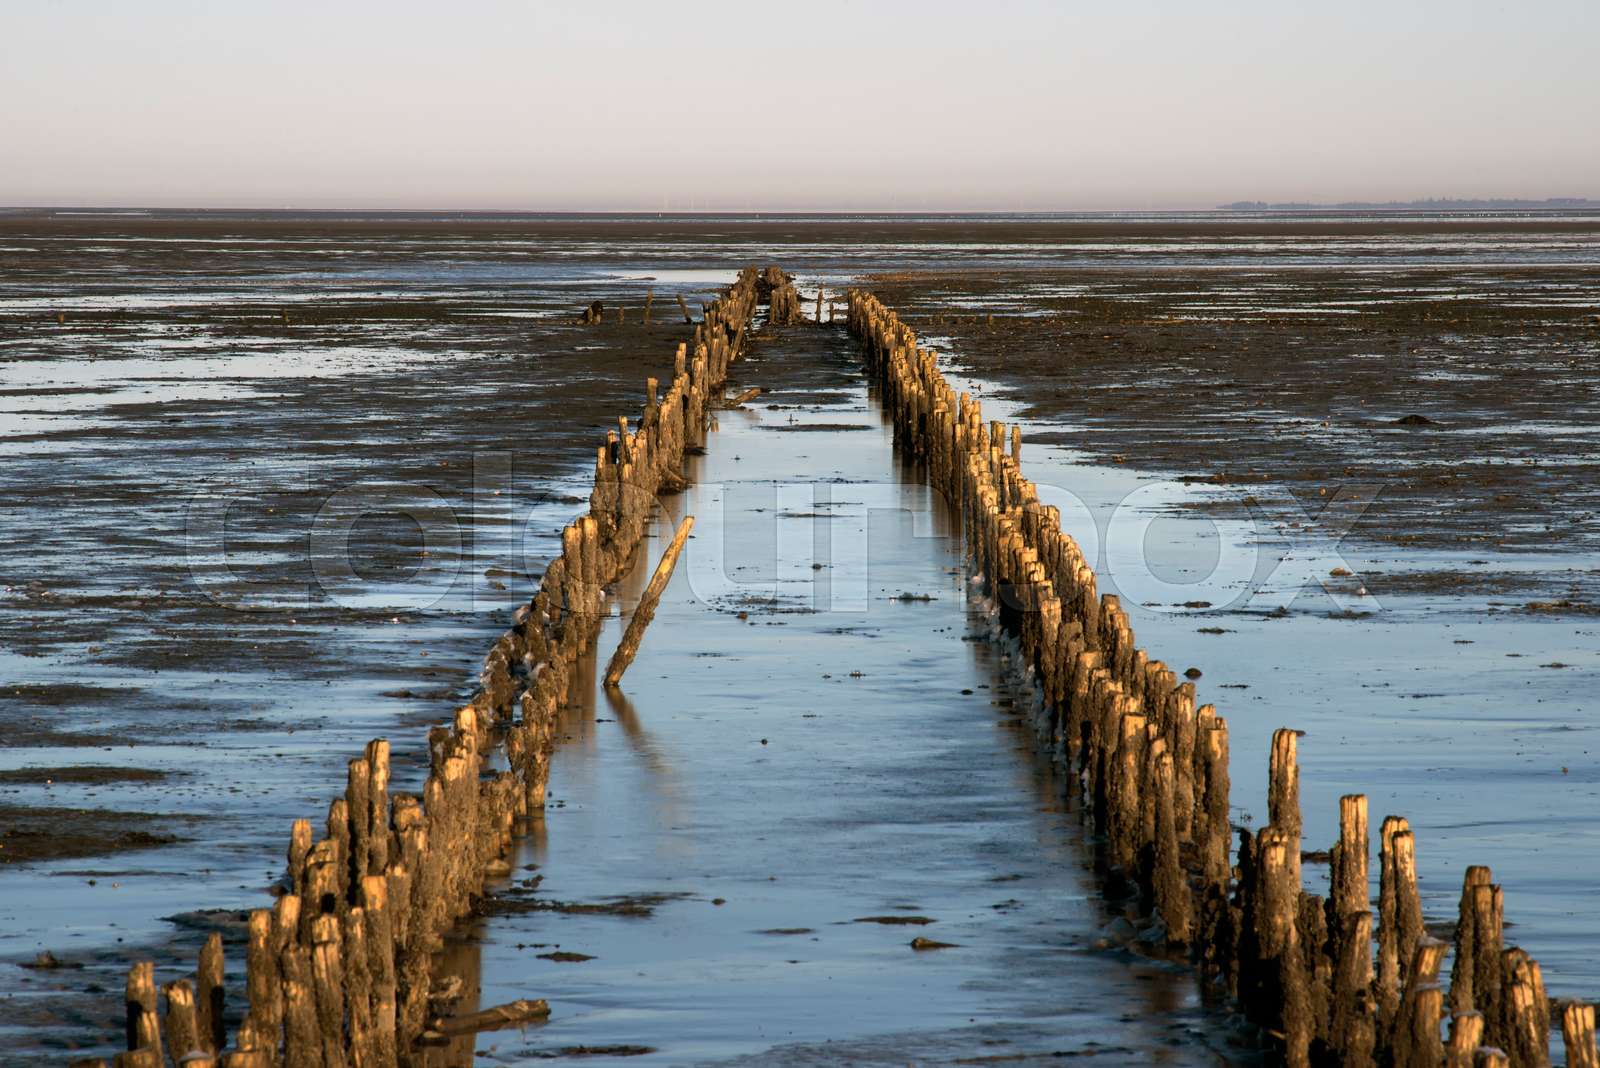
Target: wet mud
{"x": 1464, "y": 401}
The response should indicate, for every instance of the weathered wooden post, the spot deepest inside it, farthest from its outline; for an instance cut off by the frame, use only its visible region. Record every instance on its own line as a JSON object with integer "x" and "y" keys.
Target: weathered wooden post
{"x": 1577, "y": 1032}
{"x": 210, "y": 996}
{"x": 143, "y": 1025}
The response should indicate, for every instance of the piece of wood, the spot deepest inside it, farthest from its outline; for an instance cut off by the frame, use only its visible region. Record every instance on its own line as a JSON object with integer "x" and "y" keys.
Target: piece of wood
{"x": 684, "y": 307}
{"x": 512, "y": 1014}
{"x": 748, "y": 395}
{"x": 628, "y": 648}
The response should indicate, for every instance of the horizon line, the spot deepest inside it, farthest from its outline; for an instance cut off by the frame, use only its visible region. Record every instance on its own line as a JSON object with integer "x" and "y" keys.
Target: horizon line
{"x": 1231, "y": 208}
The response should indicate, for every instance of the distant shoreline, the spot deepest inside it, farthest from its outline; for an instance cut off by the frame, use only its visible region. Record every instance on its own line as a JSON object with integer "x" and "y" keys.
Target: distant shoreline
{"x": 1445, "y": 204}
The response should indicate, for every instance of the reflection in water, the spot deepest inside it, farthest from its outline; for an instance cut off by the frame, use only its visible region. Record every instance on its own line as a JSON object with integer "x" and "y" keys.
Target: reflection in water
{"x": 639, "y": 738}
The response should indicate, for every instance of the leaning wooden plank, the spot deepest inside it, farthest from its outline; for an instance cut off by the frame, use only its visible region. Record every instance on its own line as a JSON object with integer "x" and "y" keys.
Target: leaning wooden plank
{"x": 511, "y": 1014}
{"x": 629, "y": 647}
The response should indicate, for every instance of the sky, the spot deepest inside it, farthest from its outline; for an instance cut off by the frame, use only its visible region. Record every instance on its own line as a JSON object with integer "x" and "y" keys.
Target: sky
{"x": 1003, "y": 105}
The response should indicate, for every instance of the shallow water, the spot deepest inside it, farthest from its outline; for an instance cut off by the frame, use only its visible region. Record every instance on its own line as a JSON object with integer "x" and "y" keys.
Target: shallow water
{"x": 841, "y": 752}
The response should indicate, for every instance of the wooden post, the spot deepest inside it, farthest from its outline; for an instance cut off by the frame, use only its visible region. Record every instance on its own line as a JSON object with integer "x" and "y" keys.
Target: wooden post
{"x": 1526, "y": 1013}
{"x": 209, "y": 996}
{"x": 358, "y": 811}
{"x": 1399, "y": 912}
{"x": 628, "y": 648}
{"x": 1577, "y": 1031}
{"x": 302, "y": 1035}
{"x": 143, "y": 1025}
{"x": 1280, "y": 947}
{"x": 380, "y": 967}
{"x": 684, "y": 307}
{"x": 1488, "y": 919}
{"x": 1353, "y": 1026}
{"x": 1283, "y": 791}
{"x": 356, "y": 958}
{"x": 183, "y": 1025}
{"x": 649, "y": 299}
{"x": 378, "y": 847}
{"x": 1466, "y": 1035}
{"x": 299, "y": 850}
{"x": 263, "y": 983}
{"x": 1414, "y": 1037}
{"x": 1463, "y": 996}
{"x": 1171, "y": 886}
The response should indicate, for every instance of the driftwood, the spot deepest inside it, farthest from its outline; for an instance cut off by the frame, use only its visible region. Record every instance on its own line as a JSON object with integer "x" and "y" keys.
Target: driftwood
{"x": 511, "y": 1014}
{"x": 748, "y": 395}
{"x": 628, "y": 648}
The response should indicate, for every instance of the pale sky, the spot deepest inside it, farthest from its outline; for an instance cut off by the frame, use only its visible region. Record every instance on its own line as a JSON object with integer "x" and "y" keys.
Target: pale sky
{"x": 1006, "y": 104}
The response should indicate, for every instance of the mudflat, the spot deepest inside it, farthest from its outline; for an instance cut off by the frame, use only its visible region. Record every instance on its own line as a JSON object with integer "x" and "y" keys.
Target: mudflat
{"x": 273, "y": 482}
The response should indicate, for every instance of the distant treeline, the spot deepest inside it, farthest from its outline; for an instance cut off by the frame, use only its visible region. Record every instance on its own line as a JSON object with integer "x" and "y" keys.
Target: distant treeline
{"x": 1430, "y": 204}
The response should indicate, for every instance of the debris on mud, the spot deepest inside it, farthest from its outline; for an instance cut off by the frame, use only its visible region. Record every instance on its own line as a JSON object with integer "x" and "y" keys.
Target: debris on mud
{"x": 921, "y": 944}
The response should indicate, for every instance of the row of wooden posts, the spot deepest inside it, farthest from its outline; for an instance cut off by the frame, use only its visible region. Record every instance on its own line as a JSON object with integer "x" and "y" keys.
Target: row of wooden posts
{"x": 1153, "y": 770}
{"x": 338, "y": 972}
